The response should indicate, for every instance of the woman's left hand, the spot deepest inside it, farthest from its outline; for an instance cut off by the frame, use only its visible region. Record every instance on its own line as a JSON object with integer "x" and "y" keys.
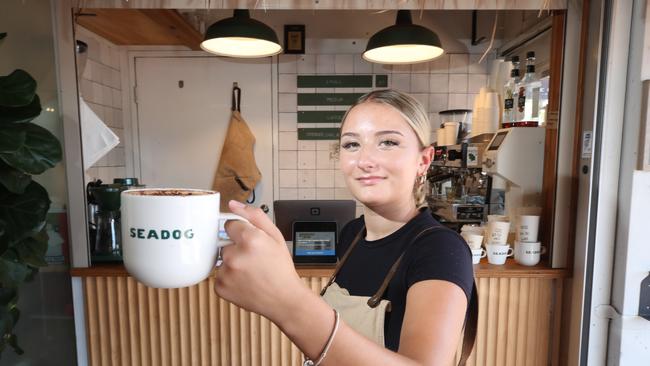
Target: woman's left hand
{"x": 257, "y": 272}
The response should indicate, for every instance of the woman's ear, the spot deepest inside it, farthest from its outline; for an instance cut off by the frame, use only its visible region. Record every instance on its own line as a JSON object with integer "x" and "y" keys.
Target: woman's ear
{"x": 426, "y": 156}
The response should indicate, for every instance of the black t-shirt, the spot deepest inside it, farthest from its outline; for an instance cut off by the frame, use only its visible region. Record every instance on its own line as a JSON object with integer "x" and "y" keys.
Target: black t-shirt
{"x": 436, "y": 255}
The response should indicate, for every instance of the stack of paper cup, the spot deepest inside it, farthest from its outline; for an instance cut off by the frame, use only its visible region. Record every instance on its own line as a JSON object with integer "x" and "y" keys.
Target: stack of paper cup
{"x": 451, "y": 132}
{"x": 440, "y": 136}
{"x": 486, "y": 114}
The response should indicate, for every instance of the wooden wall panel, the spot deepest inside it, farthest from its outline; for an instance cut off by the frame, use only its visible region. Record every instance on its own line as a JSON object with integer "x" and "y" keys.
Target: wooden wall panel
{"x": 130, "y": 324}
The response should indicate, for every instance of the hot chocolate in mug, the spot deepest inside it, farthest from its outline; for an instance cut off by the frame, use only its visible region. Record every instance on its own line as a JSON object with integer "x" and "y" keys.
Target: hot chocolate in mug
{"x": 170, "y": 236}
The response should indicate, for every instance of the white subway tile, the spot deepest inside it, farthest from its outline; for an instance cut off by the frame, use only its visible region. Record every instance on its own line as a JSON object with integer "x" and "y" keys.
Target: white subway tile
{"x": 288, "y": 178}
{"x": 306, "y": 159}
{"x": 439, "y": 83}
{"x": 457, "y": 83}
{"x": 323, "y": 160}
{"x": 288, "y": 102}
{"x": 325, "y": 64}
{"x": 116, "y": 80}
{"x": 118, "y": 118}
{"x": 287, "y": 141}
{"x": 306, "y": 178}
{"x": 288, "y": 121}
{"x": 362, "y": 66}
{"x": 325, "y": 193}
{"x": 419, "y": 83}
{"x": 108, "y": 117}
{"x": 304, "y": 145}
{"x": 117, "y": 98}
{"x": 325, "y": 145}
{"x": 104, "y": 54}
{"x": 115, "y": 58}
{"x": 325, "y": 90}
{"x": 458, "y": 63}
{"x": 476, "y": 82}
{"x": 307, "y": 64}
{"x": 325, "y": 178}
{"x": 344, "y": 64}
{"x": 107, "y": 96}
{"x": 107, "y": 76}
{"x": 401, "y": 82}
{"x": 96, "y": 71}
{"x": 342, "y": 194}
{"x": 339, "y": 180}
{"x": 475, "y": 67}
{"x": 288, "y": 193}
{"x": 381, "y": 68}
{"x": 287, "y": 159}
{"x": 306, "y": 193}
{"x": 438, "y": 102}
{"x": 420, "y": 68}
{"x": 458, "y": 101}
{"x": 87, "y": 90}
{"x": 287, "y": 83}
{"x": 287, "y": 64}
{"x": 439, "y": 65}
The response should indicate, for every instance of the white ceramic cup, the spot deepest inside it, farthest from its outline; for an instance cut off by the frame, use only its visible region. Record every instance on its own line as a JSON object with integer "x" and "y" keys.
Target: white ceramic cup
{"x": 477, "y": 254}
{"x": 527, "y": 228}
{"x": 497, "y": 253}
{"x": 528, "y": 254}
{"x": 498, "y": 232}
{"x": 170, "y": 237}
{"x": 451, "y": 132}
{"x": 474, "y": 241}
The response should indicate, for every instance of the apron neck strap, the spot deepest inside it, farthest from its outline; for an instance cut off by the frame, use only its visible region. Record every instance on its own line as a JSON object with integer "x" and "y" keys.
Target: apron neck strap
{"x": 343, "y": 259}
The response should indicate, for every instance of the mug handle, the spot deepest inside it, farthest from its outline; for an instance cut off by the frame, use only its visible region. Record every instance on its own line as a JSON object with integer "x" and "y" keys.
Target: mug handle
{"x": 223, "y": 235}
{"x": 483, "y": 253}
{"x": 510, "y": 252}
{"x": 542, "y": 250}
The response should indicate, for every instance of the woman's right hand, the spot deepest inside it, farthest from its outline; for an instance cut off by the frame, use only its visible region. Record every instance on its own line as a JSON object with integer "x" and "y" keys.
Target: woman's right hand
{"x": 257, "y": 272}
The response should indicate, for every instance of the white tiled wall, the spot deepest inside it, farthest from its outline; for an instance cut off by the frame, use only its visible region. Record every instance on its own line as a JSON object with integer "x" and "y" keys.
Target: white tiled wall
{"x": 308, "y": 169}
{"x": 100, "y": 86}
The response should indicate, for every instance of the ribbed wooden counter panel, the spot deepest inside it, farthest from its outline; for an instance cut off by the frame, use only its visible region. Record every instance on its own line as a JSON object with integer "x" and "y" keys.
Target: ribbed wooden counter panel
{"x": 130, "y": 324}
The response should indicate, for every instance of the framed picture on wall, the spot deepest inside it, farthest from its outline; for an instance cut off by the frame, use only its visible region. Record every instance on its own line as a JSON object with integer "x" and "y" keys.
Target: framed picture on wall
{"x": 294, "y": 38}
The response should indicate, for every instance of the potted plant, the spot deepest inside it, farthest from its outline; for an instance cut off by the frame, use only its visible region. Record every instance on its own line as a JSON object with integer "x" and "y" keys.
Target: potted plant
{"x": 26, "y": 149}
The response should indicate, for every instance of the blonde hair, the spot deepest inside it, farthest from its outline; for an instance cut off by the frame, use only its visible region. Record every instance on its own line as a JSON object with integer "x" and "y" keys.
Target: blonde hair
{"x": 413, "y": 113}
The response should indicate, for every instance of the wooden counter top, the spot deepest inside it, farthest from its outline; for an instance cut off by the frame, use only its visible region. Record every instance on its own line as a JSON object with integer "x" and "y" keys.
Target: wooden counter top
{"x": 483, "y": 270}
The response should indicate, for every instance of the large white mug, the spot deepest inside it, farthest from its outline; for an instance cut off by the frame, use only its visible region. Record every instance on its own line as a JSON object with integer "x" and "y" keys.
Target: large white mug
{"x": 497, "y": 254}
{"x": 170, "y": 236}
{"x": 528, "y": 254}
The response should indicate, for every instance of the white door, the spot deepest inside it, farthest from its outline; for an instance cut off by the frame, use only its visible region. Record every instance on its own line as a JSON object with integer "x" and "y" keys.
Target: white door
{"x": 184, "y": 106}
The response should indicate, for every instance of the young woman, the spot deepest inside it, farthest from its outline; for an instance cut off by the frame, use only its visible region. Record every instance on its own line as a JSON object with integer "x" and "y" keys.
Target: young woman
{"x": 401, "y": 291}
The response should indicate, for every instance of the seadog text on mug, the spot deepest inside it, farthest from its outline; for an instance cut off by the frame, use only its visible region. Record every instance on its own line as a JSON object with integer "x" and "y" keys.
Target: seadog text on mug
{"x": 171, "y": 236}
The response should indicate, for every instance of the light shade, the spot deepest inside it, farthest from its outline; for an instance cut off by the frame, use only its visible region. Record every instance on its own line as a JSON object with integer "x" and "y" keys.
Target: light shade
{"x": 241, "y": 36}
{"x": 403, "y": 43}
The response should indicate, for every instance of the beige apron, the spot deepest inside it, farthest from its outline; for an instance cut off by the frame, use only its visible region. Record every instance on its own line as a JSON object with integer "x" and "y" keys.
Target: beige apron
{"x": 366, "y": 315}
{"x": 237, "y": 174}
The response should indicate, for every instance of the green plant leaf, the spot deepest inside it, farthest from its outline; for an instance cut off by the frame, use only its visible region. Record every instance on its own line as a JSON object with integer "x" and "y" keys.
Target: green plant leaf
{"x": 7, "y": 296}
{"x": 12, "y": 340}
{"x": 17, "y": 89}
{"x": 12, "y": 272}
{"x": 23, "y": 214}
{"x": 21, "y": 114}
{"x": 32, "y": 251}
{"x": 40, "y": 152}
{"x": 15, "y": 181}
{"x": 11, "y": 138}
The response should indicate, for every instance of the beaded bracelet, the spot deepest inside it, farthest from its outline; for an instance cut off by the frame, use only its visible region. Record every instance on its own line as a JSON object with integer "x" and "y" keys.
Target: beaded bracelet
{"x": 309, "y": 362}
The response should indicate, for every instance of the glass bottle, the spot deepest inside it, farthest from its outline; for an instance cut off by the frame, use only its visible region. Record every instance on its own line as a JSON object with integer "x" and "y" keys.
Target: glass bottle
{"x": 108, "y": 235}
{"x": 510, "y": 91}
{"x": 528, "y": 93}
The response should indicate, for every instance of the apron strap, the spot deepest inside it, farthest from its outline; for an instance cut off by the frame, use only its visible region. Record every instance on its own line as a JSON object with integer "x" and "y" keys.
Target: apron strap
{"x": 343, "y": 259}
{"x": 375, "y": 299}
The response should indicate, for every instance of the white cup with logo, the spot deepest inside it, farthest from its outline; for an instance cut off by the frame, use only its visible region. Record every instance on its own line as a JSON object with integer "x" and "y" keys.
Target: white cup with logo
{"x": 474, "y": 241}
{"x": 498, "y": 232}
{"x": 477, "y": 254}
{"x": 170, "y": 236}
{"x": 527, "y": 228}
{"x": 528, "y": 254}
{"x": 497, "y": 253}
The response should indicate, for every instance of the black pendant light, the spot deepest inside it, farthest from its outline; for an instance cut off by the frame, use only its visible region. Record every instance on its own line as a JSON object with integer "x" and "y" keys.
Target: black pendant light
{"x": 241, "y": 36}
{"x": 403, "y": 43}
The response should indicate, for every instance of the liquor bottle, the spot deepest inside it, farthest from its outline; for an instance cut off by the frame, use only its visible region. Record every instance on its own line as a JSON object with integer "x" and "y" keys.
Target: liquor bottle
{"x": 509, "y": 90}
{"x": 528, "y": 93}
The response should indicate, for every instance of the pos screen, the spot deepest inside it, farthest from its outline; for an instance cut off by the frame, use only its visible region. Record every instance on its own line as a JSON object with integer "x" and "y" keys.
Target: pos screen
{"x": 314, "y": 242}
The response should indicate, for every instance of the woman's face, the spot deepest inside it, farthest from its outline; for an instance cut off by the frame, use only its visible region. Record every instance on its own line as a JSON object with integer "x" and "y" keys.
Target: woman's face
{"x": 380, "y": 155}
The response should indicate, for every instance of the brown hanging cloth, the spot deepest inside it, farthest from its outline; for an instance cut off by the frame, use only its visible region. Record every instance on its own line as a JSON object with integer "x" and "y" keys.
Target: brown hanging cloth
{"x": 237, "y": 173}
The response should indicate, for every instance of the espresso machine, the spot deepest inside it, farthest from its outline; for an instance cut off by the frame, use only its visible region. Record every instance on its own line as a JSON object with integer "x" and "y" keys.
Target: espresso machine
{"x": 515, "y": 159}
{"x": 459, "y": 187}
